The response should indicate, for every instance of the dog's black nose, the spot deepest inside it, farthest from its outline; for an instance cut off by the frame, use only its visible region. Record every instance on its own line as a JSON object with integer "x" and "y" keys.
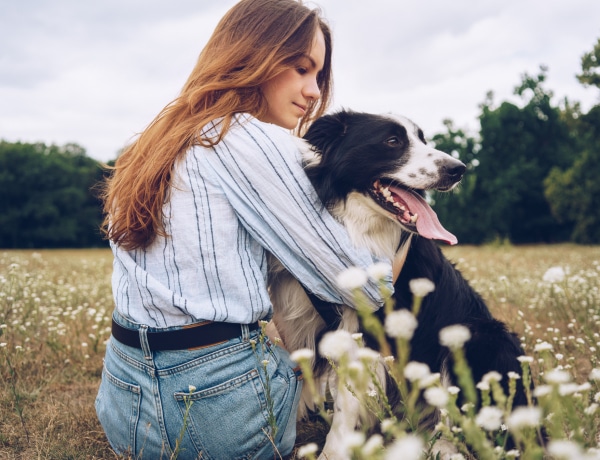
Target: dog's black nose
{"x": 455, "y": 170}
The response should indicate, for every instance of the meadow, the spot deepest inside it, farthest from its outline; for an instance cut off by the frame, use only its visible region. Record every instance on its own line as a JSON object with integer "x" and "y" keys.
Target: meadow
{"x": 55, "y": 309}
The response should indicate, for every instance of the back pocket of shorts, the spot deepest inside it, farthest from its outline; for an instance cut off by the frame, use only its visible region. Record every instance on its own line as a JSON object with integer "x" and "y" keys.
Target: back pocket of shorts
{"x": 118, "y": 408}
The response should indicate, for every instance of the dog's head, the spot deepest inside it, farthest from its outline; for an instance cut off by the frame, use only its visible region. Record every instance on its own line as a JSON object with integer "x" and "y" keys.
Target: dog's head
{"x": 385, "y": 158}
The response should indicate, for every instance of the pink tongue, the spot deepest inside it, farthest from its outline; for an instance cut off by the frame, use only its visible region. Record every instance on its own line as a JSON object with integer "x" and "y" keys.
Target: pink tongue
{"x": 428, "y": 224}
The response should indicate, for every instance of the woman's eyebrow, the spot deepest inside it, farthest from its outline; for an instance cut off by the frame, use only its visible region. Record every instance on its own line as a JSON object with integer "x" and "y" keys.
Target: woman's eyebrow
{"x": 312, "y": 61}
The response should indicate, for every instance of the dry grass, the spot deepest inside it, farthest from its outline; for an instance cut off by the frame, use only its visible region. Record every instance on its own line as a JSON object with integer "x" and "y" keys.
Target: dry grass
{"x": 55, "y": 309}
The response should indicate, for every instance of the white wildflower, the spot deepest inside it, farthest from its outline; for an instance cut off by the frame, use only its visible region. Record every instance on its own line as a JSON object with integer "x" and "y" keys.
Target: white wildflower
{"x": 303, "y": 354}
{"x": 467, "y": 407}
{"x": 414, "y": 371}
{"x": 352, "y": 278}
{"x": 525, "y": 359}
{"x": 431, "y": 379}
{"x": 554, "y": 275}
{"x": 372, "y": 446}
{"x": 410, "y": 447}
{"x": 379, "y": 271}
{"x": 191, "y": 388}
{"x": 336, "y": 344}
{"x": 307, "y": 449}
{"x": 597, "y": 397}
{"x": 513, "y": 453}
{"x": 568, "y": 389}
{"x": 513, "y": 375}
{"x": 585, "y": 386}
{"x": 594, "y": 374}
{"x": 436, "y": 396}
{"x": 492, "y": 376}
{"x": 542, "y": 346}
{"x": 458, "y": 456}
{"x": 557, "y": 376}
{"x": 591, "y": 409}
{"x": 387, "y": 425}
{"x": 420, "y": 287}
{"x": 367, "y": 354}
{"x": 523, "y": 417}
{"x": 483, "y": 386}
{"x": 455, "y": 336}
{"x": 354, "y": 440}
{"x": 453, "y": 390}
{"x": 489, "y": 418}
{"x": 563, "y": 449}
{"x": 542, "y": 390}
{"x": 400, "y": 324}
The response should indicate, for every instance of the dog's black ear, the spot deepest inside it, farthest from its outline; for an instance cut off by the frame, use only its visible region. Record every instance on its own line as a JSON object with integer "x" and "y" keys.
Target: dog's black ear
{"x": 325, "y": 136}
{"x": 327, "y": 131}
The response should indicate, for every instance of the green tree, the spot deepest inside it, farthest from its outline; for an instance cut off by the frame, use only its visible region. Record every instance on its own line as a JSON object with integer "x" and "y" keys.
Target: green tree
{"x": 574, "y": 191}
{"x": 590, "y": 67}
{"x": 45, "y": 196}
{"x": 519, "y": 146}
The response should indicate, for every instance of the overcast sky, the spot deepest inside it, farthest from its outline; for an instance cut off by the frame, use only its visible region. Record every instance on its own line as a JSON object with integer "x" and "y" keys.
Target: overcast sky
{"x": 96, "y": 73}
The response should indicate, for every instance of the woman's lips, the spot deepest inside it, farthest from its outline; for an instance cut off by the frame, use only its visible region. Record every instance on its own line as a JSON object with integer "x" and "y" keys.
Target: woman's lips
{"x": 301, "y": 107}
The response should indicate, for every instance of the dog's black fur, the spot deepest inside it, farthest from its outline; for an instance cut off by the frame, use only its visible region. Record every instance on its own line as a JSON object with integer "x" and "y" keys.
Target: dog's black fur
{"x": 349, "y": 153}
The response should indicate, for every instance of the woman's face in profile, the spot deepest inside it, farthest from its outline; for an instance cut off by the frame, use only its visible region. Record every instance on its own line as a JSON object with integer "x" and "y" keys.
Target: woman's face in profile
{"x": 289, "y": 94}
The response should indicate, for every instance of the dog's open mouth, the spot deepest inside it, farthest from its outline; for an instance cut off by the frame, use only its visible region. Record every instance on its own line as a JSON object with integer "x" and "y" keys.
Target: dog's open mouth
{"x": 411, "y": 210}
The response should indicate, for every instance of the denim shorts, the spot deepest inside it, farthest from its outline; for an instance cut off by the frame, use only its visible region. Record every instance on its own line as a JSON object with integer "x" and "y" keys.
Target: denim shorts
{"x": 217, "y": 402}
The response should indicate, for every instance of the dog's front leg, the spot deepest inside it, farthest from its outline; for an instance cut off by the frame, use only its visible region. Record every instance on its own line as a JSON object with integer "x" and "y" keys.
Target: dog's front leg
{"x": 346, "y": 414}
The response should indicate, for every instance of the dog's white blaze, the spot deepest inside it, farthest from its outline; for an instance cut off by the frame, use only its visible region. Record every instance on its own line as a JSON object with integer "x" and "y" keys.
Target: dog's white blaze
{"x": 422, "y": 169}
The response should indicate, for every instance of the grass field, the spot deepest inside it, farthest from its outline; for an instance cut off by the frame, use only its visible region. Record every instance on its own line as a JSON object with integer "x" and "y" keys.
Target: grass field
{"x": 55, "y": 309}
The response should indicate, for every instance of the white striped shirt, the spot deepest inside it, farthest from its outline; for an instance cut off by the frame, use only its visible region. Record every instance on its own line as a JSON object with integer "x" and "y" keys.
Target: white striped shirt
{"x": 228, "y": 205}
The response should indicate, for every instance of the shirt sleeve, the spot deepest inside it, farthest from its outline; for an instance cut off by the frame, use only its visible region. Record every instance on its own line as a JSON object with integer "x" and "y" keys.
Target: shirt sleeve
{"x": 260, "y": 168}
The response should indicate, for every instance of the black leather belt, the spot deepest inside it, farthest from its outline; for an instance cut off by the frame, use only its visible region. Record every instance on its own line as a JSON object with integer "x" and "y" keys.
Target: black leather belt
{"x": 194, "y": 336}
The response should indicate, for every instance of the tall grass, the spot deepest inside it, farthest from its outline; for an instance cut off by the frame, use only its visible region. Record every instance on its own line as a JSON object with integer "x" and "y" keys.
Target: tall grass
{"x": 55, "y": 309}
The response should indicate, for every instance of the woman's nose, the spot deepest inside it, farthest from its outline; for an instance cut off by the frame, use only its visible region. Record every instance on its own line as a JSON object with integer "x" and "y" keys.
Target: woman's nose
{"x": 312, "y": 91}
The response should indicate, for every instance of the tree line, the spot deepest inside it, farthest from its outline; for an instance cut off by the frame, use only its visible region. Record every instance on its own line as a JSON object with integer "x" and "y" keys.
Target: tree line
{"x": 532, "y": 177}
{"x": 47, "y": 198}
{"x": 532, "y": 169}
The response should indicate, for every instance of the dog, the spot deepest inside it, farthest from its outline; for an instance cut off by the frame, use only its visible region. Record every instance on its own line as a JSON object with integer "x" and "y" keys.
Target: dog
{"x": 372, "y": 173}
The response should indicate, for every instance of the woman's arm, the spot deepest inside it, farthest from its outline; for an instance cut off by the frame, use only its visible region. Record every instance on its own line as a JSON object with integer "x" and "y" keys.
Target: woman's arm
{"x": 260, "y": 169}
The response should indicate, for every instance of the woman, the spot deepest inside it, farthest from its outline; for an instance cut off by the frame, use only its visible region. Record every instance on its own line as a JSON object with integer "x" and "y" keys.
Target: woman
{"x": 192, "y": 207}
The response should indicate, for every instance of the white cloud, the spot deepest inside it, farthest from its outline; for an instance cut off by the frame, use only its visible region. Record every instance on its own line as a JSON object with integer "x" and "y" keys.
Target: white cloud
{"x": 96, "y": 73}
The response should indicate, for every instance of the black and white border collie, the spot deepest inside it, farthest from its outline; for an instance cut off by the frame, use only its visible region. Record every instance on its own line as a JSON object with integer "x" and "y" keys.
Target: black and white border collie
{"x": 372, "y": 171}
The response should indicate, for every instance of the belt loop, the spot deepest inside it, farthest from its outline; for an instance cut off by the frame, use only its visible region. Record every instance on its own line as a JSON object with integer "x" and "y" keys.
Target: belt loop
{"x": 143, "y": 331}
{"x": 245, "y": 332}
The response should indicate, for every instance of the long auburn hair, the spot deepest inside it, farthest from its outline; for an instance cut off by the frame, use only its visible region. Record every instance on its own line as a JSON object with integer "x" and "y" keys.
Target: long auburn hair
{"x": 255, "y": 41}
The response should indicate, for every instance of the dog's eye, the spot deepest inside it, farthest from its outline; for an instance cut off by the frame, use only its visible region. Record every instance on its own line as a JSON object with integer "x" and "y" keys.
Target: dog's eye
{"x": 392, "y": 141}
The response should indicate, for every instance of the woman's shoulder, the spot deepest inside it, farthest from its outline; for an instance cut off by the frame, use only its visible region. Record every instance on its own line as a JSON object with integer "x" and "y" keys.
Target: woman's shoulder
{"x": 250, "y": 122}
{"x": 247, "y": 127}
